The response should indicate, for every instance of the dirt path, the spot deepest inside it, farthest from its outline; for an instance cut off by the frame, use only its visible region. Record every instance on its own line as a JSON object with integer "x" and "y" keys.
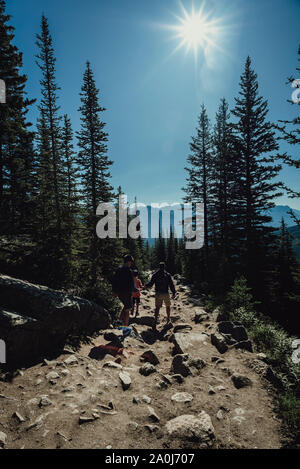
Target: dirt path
{"x": 50, "y": 399}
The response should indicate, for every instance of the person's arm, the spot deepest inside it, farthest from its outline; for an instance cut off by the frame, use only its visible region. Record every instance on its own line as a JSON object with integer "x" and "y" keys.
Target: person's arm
{"x": 171, "y": 285}
{"x": 115, "y": 282}
{"x": 151, "y": 283}
{"x": 133, "y": 287}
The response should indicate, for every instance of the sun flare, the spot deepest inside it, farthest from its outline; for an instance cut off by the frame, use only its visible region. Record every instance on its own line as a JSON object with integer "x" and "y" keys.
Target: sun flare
{"x": 197, "y": 30}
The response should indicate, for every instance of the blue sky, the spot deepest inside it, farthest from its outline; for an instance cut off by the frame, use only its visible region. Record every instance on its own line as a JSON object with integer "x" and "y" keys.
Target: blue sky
{"x": 152, "y": 95}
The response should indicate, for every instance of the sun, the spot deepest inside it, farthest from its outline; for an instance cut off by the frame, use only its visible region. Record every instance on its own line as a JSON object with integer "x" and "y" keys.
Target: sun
{"x": 197, "y": 30}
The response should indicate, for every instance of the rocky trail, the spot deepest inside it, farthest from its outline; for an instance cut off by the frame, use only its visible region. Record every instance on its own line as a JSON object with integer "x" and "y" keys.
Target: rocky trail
{"x": 199, "y": 385}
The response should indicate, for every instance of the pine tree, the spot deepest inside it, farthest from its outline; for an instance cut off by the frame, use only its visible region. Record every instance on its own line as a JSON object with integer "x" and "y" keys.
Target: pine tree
{"x": 285, "y": 286}
{"x": 291, "y": 135}
{"x": 51, "y": 120}
{"x": 94, "y": 170}
{"x": 223, "y": 202}
{"x": 16, "y": 149}
{"x": 255, "y": 173}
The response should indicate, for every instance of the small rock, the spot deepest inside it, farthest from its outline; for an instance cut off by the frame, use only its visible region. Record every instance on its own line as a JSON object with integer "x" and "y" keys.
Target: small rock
{"x": 240, "y": 381}
{"x": 65, "y": 372}
{"x": 136, "y": 400}
{"x": 44, "y": 402}
{"x": 111, "y": 364}
{"x": 178, "y": 378}
{"x": 85, "y": 420}
{"x": 181, "y": 327}
{"x": 179, "y": 365}
{"x": 125, "y": 380}
{"x": 132, "y": 425}
{"x": 152, "y": 415}
{"x": 220, "y": 388}
{"x": 211, "y": 390}
{"x": 52, "y": 375}
{"x": 147, "y": 369}
{"x": 3, "y": 438}
{"x": 150, "y": 357}
{"x": 71, "y": 360}
{"x": 146, "y": 399}
{"x": 19, "y": 417}
{"x": 219, "y": 415}
{"x": 182, "y": 397}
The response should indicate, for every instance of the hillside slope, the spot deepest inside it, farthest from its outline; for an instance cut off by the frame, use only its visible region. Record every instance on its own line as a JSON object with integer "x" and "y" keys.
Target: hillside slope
{"x": 75, "y": 401}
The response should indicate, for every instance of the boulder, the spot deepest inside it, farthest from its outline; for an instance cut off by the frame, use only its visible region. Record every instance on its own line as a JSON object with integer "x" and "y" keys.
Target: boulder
{"x": 187, "y": 342}
{"x": 35, "y": 321}
{"x": 180, "y": 366}
{"x": 194, "y": 428}
{"x": 240, "y": 381}
{"x": 200, "y": 317}
{"x": 219, "y": 341}
{"x": 150, "y": 357}
{"x": 182, "y": 327}
{"x": 145, "y": 321}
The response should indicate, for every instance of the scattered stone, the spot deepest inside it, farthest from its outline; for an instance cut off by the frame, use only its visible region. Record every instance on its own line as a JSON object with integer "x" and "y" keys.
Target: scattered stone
{"x": 150, "y": 357}
{"x": 162, "y": 385}
{"x": 125, "y": 380}
{"x": 178, "y": 378}
{"x": 152, "y": 428}
{"x": 240, "y": 381}
{"x": 152, "y": 415}
{"x": 180, "y": 327}
{"x": 45, "y": 402}
{"x": 132, "y": 425}
{"x": 146, "y": 399}
{"x": 38, "y": 381}
{"x": 95, "y": 415}
{"x": 147, "y": 369}
{"x": 136, "y": 400}
{"x": 197, "y": 363}
{"x": 211, "y": 390}
{"x": 65, "y": 372}
{"x": 3, "y": 438}
{"x": 48, "y": 362}
{"x": 108, "y": 447}
{"x": 179, "y": 365}
{"x": 19, "y": 417}
{"x": 219, "y": 415}
{"x": 71, "y": 360}
{"x": 52, "y": 375}
{"x": 200, "y": 317}
{"x": 220, "y": 388}
{"x": 83, "y": 419}
{"x": 195, "y": 428}
{"x": 69, "y": 389}
{"x": 219, "y": 342}
{"x": 111, "y": 364}
{"x": 182, "y": 397}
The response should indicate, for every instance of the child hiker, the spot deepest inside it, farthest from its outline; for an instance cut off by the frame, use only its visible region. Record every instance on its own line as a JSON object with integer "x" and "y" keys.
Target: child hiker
{"x": 136, "y": 296}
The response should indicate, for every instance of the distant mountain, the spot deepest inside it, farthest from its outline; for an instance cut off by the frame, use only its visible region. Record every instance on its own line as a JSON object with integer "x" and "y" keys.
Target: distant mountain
{"x": 295, "y": 232}
{"x": 281, "y": 211}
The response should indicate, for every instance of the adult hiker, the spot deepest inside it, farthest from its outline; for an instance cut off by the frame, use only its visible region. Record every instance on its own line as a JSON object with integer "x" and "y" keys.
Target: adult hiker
{"x": 123, "y": 286}
{"x": 136, "y": 296}
{"x": 163, "y": 282}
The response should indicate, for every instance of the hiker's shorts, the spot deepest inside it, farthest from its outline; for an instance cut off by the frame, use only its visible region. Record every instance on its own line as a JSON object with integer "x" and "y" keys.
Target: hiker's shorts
{"x": 161, "y": 298}
{"x": 126, "y": 299}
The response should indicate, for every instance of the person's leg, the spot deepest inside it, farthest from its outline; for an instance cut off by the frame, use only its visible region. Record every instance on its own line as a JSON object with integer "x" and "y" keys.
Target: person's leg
{"x": 156, "y": 317}
{"x": 137, "y": 307}
{"x": 126, "y": 317}
{"x": 168, "y": 313}
{"x": 168, "y": 306}
{"x": 132, "y": 309}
